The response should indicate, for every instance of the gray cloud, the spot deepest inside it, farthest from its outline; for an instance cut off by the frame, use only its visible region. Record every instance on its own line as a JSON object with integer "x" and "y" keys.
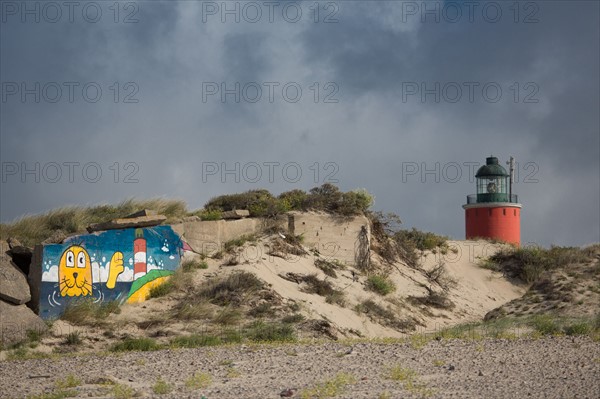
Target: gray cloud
{"x": 369, "y": 135}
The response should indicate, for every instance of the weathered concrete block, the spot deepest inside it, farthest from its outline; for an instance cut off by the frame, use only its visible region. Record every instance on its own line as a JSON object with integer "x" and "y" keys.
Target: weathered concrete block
{"x": 15, "y": 321}
{"x": 236, "y": 214}
{"x": 143, "y": 212}
{"x": 57, "y": 237}
{"x": 13, "y": 282}
{"x": 126, "y": 223}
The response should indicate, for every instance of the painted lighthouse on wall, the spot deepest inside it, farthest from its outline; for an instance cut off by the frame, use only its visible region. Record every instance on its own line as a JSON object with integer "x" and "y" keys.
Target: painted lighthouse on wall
{"x": 494, "y": 212}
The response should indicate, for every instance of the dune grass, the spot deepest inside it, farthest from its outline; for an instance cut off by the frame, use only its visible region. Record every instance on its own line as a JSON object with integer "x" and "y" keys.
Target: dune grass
{"x": 33, "y": 229}
{"x": 87, "y": 312}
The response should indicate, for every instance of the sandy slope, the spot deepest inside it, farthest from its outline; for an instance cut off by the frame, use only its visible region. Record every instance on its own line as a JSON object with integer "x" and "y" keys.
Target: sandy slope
{"x": 476, "y": 292}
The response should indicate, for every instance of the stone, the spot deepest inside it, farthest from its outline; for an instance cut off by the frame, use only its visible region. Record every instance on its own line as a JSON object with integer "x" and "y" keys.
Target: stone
{"x": 15, "y": 321}
{"x": 126, "y": 223}
{"x": 13, "y": 242}
{"x": 192, "y": 218}
{"x": 57, "y": 237}
{"x": 287, "y": 393}
{"x": 13, "y": 282}
{"x": 236, "y": 214}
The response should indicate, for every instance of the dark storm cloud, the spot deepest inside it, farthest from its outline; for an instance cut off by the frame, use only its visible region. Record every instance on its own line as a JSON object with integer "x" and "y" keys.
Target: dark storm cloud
{"x": 369, "y": 136}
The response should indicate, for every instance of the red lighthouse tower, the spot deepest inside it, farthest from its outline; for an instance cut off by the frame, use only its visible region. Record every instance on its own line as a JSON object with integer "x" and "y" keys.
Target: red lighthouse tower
{"x": 494, "y": 212}
{"x": 139, "y": 254}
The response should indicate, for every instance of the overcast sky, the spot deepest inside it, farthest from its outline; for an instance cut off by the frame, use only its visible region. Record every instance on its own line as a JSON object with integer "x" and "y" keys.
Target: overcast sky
{"x": 157, "y": 99}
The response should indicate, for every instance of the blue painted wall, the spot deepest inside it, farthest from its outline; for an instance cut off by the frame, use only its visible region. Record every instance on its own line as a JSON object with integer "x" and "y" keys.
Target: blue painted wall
{"x": 105, "y": 267}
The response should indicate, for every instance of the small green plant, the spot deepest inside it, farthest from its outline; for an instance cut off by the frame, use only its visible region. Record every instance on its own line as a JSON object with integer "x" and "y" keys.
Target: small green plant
{"x": 73, "y": 338}
{"x": 260, "y": 331}
{"x": 210, "y": 214}
{"x": 418, "y": 341}
{"x": 545, "y": 325}
{"x": 22, "y": 353}
{"x": 34, "y": 337}
{"x": 380, "y": 284}
{"x": 330, "y": 388}
{"x": 195, "y": 341}
{"x": 70, "y": 381}
{"x": 120, "y": 391}
{"x": 409, "y": 379}
{"x": 161, "y": 290}
{"x": 384, "y": 316}
{"x": 161, "y": 387}
{"x": 233, "y": 372}
{"x": 198, "y": 381}
{"x": 293, "y": 318}
{"x": 193, "y": 264}
{"x": 398, "y": 373}
{"x": 229, "y": 290}
{"x": 135, "y": 344}
{"x": 238, "y": 242}
{"x": 228, "y": 316}
{"x": 578, "y": 328}
{"x": 262, "y": 310}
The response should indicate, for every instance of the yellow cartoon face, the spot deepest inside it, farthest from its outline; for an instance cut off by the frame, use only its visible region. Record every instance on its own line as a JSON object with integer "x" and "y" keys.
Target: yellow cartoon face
{"x": 75, "y": 272}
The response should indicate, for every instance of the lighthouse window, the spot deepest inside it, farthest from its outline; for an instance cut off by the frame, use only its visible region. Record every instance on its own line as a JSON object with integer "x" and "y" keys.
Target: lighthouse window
{"x": 504, "y": 212}
{"x": 490, "y": 212}
{"x": 515, "y": 212}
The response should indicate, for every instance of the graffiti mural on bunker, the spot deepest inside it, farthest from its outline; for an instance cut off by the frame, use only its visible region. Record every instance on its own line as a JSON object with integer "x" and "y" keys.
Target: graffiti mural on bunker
{"x": 114, "y": 265}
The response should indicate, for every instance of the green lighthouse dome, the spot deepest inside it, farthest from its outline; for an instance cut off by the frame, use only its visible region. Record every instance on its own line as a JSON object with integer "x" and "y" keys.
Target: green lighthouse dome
{"x": 491, "y": 169}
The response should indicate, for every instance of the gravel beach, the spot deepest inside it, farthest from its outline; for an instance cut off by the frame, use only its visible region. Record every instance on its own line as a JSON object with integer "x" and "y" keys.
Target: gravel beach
{"x": 557, "y": 367}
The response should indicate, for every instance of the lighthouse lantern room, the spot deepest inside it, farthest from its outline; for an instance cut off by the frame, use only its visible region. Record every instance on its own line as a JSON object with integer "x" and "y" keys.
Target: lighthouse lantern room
{"x": 494, "y": 212}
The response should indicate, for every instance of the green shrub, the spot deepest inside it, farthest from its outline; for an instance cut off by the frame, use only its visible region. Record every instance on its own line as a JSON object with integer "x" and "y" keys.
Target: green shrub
{"x": 293, "y": 318}
{"x": 330, "y": 388}
{"x": 120, "y": 391}
{"x": 135, "y": 344}
{"x": 545, "y": 325}
{"x": 380, "y": 284}
{"x": 231, "y": 289}
{"x": 423, "y": 241}
{"x": 530, "y": 263}
{"x": 73, "y": 338}
{"x": 161, "y": 290}
{"x": 70, "y": 381}
{"x": 193, "y": 264}
{"x": 238, "y": 242}
{"x": 262, "y": 310}
{"x": 214, "y": 214}
{"x": 578, "y": 328}
{"x": 228, "y": 316}
{"x": 195, "y": 341}
{"x": 260, "y": 331}
{"x": 161, "y": 387}
{"x": 383, "y": 315}
{"x": 198, "y": 381}
{"x": 293, "y": 200}
{"x": 192, "y": 310}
